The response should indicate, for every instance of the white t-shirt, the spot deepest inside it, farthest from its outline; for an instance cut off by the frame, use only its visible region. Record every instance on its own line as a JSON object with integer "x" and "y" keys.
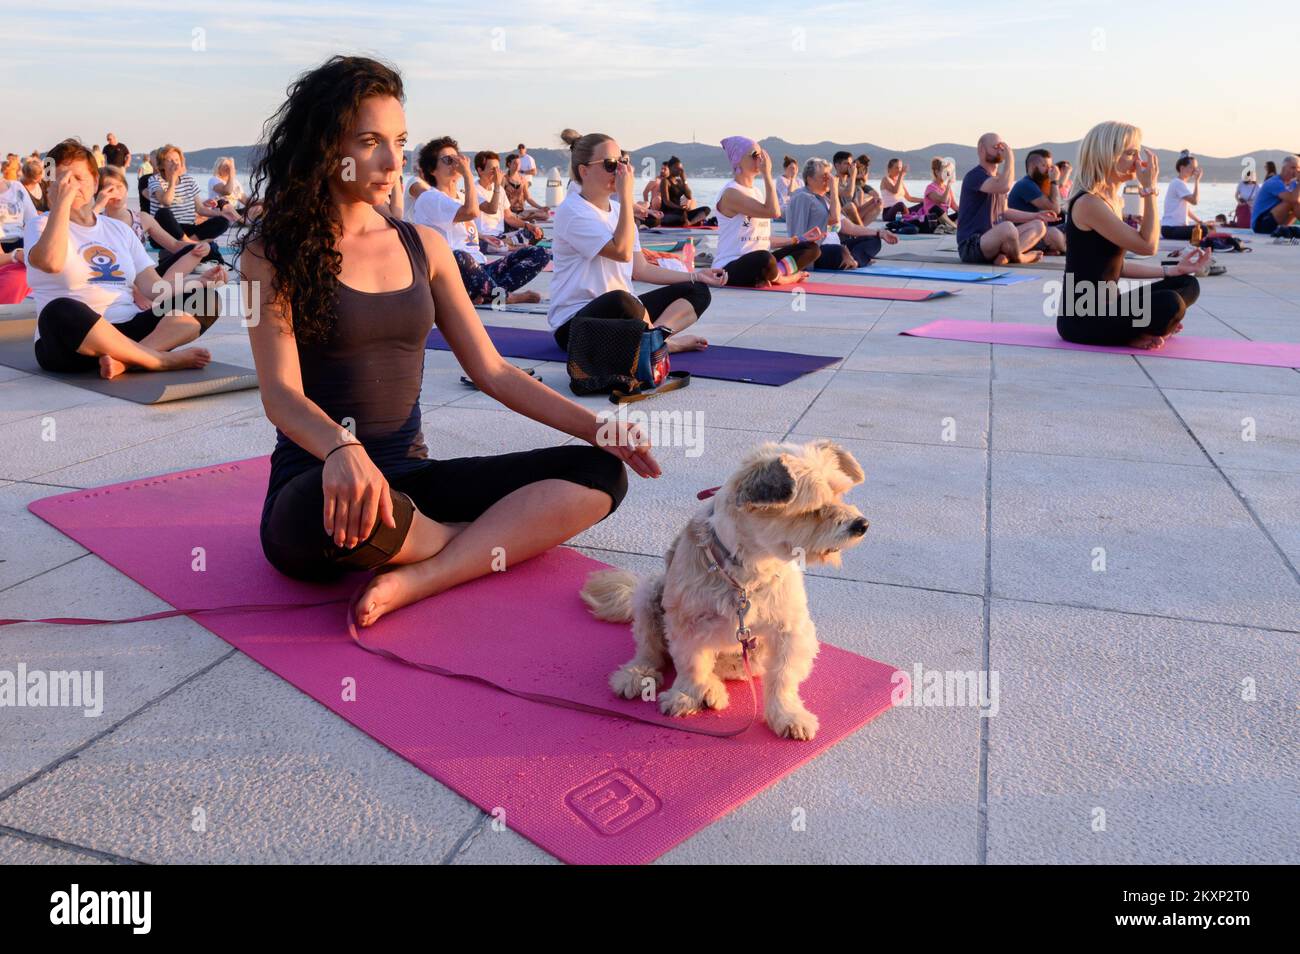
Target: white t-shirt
{"x": 527, "y": 167}
{"x": 581, "y": 272}
{"x": 739, "y": 234}
{"x": 236, "y": 192}
{"x": 438, "y": 210}
{"x": 1176, "y": 207}
{"x": 102, "y": 264}
{"x": 16, "y": 208}
{"x": 491, "y": 224}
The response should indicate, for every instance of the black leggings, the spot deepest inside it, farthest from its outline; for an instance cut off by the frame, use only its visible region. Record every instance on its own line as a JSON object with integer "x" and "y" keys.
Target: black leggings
{"x": 167, "y": 259}
{"x": 1182, "y": 233}
{"x": 861, "y": 249}
{"x": 1166, "y": 302}
{"x": 452, "y": 491}
{"x": 760, "y": 266}
{"x": 624, "y": 306}
{"x": 205, "y": 231}
{"x": 682, "y": 217}
{"x": 65, "y": 322}
{"x": 898, "y": 209}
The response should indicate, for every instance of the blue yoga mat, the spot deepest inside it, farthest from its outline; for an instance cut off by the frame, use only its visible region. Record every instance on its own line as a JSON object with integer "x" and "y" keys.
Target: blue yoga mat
{"x": 748, "y": 365}
{"x": 943, "y": 275}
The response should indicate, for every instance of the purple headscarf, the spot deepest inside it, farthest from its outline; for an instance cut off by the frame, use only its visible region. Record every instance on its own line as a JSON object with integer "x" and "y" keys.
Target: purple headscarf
{"x": 737, "y": 148}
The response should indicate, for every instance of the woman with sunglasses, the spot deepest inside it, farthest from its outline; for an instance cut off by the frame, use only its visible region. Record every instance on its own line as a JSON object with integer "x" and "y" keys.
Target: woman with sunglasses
{"x": 598, "y": 254}
{"x": 746, "y": 250}
{"x": 348, "y": 297}
{"x": 442, "y": 166}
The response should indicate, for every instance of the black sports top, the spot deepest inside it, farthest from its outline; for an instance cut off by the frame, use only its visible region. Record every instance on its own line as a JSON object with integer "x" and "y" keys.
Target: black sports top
{"x": 370, "y": 371}
{"x": 1090, "y": 255}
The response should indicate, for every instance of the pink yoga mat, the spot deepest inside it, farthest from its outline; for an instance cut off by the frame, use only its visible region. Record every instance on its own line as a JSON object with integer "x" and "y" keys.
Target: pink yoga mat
{"x": 587, "y": 788}
{"x": 1227, "y": 350}
{"x": 836, "y": 290}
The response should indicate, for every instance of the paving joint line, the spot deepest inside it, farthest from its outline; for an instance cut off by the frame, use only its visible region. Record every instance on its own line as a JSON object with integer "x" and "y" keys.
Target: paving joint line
{"x": 77, "y": 750}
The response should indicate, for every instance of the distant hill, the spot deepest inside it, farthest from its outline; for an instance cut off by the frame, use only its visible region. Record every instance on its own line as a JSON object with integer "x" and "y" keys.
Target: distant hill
{"x": 708, "y": 159}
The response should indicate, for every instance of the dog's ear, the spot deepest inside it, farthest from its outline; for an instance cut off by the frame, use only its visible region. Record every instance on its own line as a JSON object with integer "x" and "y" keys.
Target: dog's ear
{"x": 845, "y": 461}
{"x": 768, "y": 483}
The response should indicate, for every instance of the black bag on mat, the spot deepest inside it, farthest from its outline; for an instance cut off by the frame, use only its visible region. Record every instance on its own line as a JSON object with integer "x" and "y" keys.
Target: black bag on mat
{"x": 612, "y": 355}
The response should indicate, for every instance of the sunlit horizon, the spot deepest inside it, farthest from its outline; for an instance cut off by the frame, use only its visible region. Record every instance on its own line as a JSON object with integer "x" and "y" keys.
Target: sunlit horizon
{"x": 650, "y": 72}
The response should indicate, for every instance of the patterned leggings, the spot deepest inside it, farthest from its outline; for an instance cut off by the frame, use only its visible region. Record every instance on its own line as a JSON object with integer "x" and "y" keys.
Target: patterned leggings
{"x": 509, "y": 274}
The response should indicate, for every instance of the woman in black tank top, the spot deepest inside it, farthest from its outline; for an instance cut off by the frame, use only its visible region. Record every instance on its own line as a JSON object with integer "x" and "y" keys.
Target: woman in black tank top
{"x": 1092, "y": 310}
{"x": 347, "y": 298}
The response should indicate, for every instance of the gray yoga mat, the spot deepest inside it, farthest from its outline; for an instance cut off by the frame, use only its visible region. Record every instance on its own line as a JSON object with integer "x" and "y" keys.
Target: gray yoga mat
{"x": 142, "y": 387}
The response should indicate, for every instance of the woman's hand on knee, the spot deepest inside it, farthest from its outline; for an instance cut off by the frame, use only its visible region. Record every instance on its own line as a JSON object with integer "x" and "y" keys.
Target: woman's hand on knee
{"x": 628, "y": 442}
{"x": 356, "y": 496}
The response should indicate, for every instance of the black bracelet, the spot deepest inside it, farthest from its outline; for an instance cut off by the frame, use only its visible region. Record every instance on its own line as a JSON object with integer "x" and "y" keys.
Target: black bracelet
{"x": 340, "y": 447}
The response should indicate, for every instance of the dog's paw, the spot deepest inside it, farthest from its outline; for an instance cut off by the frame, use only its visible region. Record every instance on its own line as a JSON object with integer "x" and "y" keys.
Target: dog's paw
{"x": 715, "y": 694}
{"x": 629, "y": 683}
{"x": 674, "y": 702}
{"x": 793, "y": 723}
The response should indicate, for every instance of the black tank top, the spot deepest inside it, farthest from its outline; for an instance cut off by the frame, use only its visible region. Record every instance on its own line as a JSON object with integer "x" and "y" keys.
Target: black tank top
{"x": 1089, "y": 255}
{"x": 370, "y": 371}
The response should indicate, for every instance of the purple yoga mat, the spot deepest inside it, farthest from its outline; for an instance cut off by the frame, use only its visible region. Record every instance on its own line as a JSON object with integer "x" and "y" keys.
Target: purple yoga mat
{"x": 587, "y": 788}
{"x": 726, "y": 363}
{"x": 1227, "y": 350}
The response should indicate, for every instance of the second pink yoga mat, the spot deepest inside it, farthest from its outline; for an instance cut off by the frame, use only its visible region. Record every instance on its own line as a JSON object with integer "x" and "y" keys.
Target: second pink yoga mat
{"x": 841, "y": 290}
{"x": 586, "y": 788}
{"x": 1228, "y": 350}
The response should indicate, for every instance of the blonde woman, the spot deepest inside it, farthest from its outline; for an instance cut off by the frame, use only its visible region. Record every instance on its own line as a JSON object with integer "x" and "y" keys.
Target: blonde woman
{"x": 1092, "y": 311}
{"x": 225, "y": 192}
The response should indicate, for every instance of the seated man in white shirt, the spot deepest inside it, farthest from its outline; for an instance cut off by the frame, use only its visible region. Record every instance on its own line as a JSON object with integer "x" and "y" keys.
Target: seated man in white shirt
{"x": 527, "y": 164}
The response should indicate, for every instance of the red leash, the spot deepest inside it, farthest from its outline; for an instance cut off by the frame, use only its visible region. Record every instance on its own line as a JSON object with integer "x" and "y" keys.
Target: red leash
{"x": 539, "y": 697}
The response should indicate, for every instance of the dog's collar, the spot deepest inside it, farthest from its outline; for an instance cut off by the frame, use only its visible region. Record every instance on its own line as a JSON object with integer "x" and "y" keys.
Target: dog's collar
{"x": 719, "y": 555}
{"x": 718, "y": 562}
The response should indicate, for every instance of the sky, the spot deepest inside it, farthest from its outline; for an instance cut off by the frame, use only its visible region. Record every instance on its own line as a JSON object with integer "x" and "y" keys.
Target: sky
{"x": 899, "y": 75}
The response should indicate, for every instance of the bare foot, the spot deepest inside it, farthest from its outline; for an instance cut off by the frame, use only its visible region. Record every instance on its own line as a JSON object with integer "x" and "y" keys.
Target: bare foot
{"x": 185, "y": 358}
{"x": 687, "y": 343}
{"x": 1147, "y": 342}
{"x": 1028, "y": 258}
{"x": 390, "y": 590}
{"x": 110, "y": 367}
{"x": 523, "y": 298}
{"x": 1000, "y": 259}
{"x": 794, "y": 279}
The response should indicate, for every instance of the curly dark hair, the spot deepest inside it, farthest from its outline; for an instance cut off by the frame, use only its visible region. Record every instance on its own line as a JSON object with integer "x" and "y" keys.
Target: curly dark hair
{"x": 427, "y": 160}
{"x": 300, "y": 152}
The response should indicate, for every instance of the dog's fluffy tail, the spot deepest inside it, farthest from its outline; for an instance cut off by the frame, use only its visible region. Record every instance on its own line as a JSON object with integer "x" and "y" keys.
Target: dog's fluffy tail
{"x": 608, "y": 594}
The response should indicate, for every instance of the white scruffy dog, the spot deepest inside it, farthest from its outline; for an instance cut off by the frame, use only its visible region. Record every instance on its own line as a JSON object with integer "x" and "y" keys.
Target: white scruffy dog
{"x": 783, "y": 504}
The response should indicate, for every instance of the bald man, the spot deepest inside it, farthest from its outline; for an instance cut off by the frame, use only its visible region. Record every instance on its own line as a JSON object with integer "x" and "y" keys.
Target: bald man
{"x": 1277, "y": 203}
{"x": 989, "y": 233}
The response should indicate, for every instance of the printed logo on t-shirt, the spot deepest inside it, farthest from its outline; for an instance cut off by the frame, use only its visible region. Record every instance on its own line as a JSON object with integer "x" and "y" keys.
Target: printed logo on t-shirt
{"x": 103, "y": 264}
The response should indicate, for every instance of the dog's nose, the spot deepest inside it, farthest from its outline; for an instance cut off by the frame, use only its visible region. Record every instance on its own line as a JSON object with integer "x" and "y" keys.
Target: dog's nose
{"x": 858, "y": 527}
